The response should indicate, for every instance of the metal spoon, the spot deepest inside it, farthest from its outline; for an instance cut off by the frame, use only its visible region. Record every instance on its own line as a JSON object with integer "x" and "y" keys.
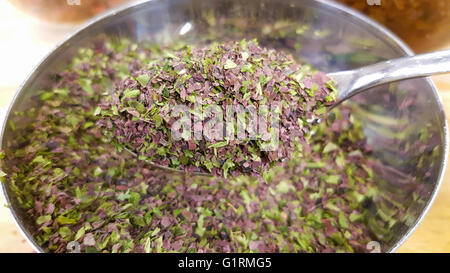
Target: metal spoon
{"x": 352, "y": 82}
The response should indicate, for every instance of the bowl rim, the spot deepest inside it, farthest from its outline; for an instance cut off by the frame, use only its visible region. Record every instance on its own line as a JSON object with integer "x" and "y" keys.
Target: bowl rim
{"x": 375, "y": 27}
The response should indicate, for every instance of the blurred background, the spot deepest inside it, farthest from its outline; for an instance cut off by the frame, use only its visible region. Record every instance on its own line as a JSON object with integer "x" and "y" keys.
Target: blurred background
{"x": 423, "y": 25}
{"x": 30, "y": 29}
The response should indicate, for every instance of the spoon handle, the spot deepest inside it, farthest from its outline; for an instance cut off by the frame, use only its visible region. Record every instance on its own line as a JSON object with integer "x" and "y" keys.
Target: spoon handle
{"x": 352, "y": 82}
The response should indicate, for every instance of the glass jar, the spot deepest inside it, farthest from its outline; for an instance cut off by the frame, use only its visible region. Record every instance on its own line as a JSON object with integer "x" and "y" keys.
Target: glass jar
{"x": 423, "y": 24}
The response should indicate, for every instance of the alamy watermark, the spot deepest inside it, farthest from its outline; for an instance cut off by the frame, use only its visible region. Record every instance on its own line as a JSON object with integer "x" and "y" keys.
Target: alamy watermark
{"x": 373, "y": 247}
{"x": 73, "y": 2}
{"x": 73, "y": 247}
{"x": 233, "y": 122}
{"x": 373, "y": 2}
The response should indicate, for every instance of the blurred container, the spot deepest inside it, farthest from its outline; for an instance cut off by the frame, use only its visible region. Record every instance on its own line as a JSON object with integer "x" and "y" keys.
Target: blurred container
{"x": 423, "y": 24}
{"x": 331, "y": 39}
{"x": 65, "y": 11}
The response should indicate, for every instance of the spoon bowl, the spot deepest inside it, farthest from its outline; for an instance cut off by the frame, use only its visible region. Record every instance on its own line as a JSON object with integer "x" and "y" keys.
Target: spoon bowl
{"x": 352, "y": 82}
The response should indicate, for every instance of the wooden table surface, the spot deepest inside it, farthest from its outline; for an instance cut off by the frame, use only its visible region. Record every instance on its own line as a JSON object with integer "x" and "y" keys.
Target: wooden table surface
{"x": 21, "y": 50}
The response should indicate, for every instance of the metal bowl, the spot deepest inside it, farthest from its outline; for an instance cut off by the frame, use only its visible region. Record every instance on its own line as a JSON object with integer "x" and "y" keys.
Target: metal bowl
{"x": 325, "y": 34}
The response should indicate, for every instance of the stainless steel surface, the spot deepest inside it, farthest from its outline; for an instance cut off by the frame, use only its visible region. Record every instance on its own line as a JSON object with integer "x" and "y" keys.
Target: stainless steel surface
{"x": 329, "y": 36}
{"x": 353, "y": 82}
